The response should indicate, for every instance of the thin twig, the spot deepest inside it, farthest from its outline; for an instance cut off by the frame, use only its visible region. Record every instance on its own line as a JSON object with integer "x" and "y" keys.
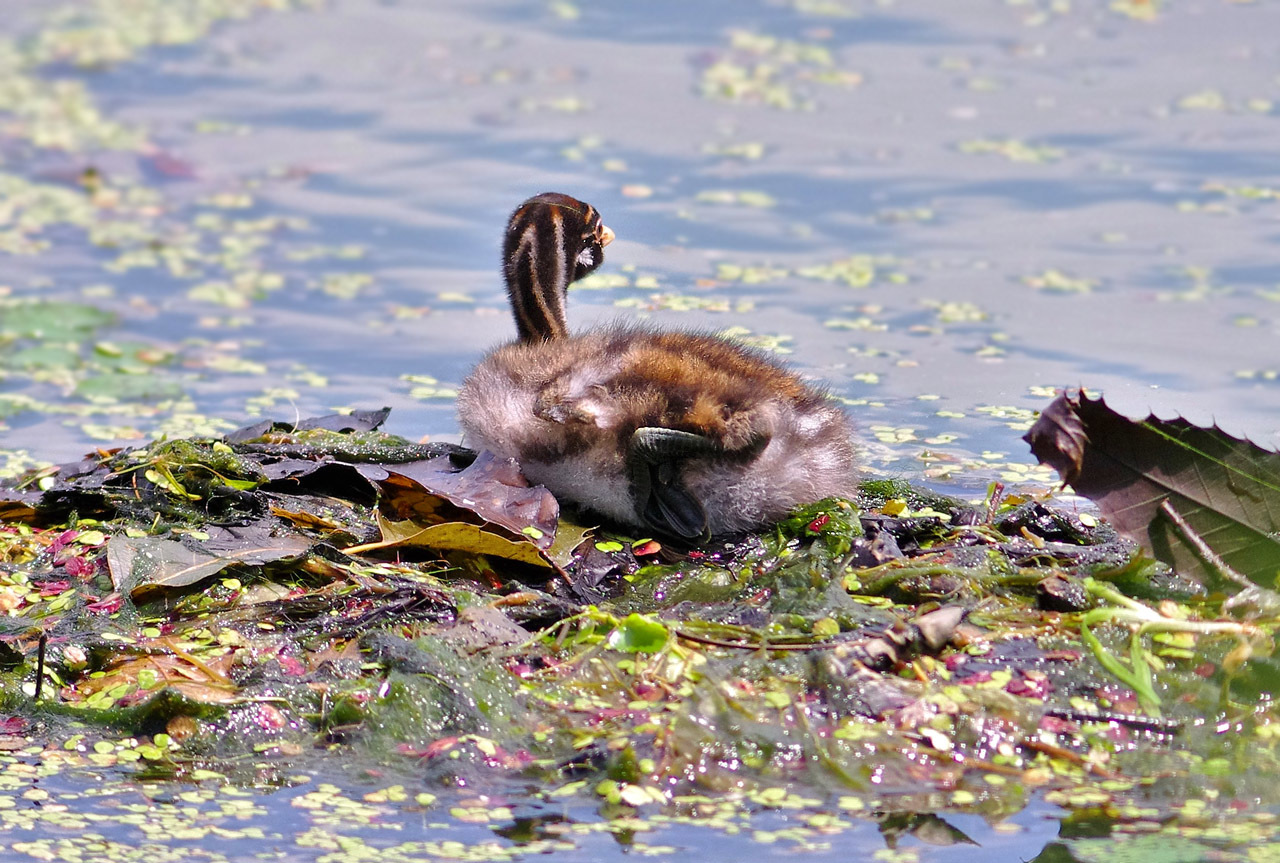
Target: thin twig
{"x": 759, "y": 645}
{"x": 1055, "y": 751}
{"x": 44, "y": 641}
{"x": 1129, "y": 720}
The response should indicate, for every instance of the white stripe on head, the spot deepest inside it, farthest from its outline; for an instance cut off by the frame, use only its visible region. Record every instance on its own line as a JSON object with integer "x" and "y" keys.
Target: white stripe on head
{"x": 562, "y": 277}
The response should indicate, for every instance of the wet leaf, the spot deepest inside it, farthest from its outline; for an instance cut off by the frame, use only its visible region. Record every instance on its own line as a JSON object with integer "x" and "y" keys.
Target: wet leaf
{"x": 434, "y": 490}
{"x": 304, "y": 518}
{"x": 569, "y": 536}
{"x": 1227, "y": 490}
{"x": 141, "y": 564}
{"x": 453, "y": 536}
{"x": 356, "y": 421}
{"x": 18, "y": 505}
{"x": 201, "y": 682}
{"x": 637, "y": 633}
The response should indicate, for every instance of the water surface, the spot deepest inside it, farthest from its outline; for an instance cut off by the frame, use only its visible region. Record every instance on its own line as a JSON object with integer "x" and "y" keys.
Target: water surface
{"x": 1035, "y": 196}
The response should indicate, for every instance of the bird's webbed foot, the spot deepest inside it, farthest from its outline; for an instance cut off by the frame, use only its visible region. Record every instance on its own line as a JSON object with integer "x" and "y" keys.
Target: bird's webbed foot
{"x": 653, "y": 460}
{"x": 654, "y": 456}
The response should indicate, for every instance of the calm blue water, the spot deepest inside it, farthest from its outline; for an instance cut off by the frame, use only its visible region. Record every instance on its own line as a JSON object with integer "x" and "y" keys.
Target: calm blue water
{"x": 975, "y": 147}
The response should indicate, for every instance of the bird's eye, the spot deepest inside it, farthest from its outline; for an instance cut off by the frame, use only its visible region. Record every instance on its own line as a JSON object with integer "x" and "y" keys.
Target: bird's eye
{"x": 586, "y": 258}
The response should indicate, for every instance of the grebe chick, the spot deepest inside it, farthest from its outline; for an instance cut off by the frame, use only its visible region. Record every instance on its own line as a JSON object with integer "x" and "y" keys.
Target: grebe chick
{"x": 683, "y": 434}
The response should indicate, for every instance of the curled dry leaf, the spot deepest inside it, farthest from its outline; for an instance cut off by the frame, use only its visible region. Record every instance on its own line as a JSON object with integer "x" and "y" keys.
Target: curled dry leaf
{"x": 434, "y": 490}
{"x": 1225, "y": 489}
{"x": 486, "y": 508}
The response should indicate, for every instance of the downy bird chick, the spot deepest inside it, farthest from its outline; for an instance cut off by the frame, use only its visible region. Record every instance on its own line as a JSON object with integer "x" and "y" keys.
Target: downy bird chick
{"x": 680, "y": 433}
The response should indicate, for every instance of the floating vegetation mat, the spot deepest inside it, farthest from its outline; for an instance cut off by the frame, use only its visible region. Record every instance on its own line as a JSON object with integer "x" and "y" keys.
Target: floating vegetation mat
{"x": 199, "y": 617}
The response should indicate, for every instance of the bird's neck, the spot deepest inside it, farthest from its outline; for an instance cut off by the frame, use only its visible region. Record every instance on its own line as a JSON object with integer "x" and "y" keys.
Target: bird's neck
{"x": 539, "y": 267}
